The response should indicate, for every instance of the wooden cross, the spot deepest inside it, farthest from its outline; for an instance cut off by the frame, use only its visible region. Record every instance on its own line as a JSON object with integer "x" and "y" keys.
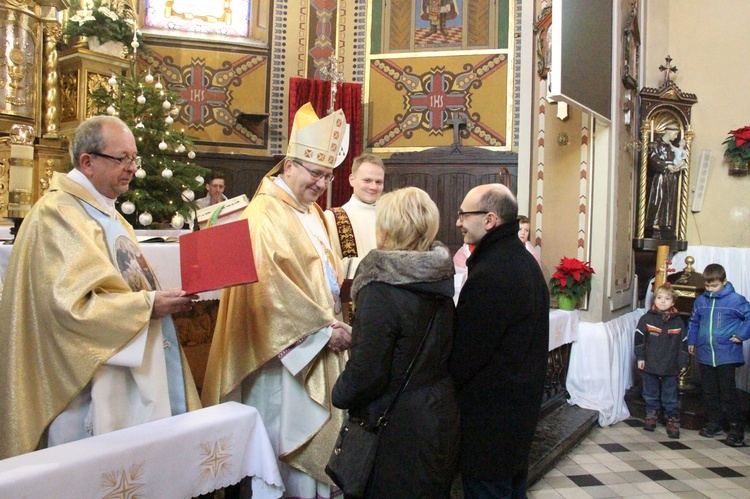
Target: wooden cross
{"x": 456, "y": 121}
{"x": 331, "y": 72}
{"x": 668, "y": 68}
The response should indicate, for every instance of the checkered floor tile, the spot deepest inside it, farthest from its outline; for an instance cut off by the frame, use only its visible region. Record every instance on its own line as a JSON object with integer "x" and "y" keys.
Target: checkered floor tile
{"x": 623, "y": 460}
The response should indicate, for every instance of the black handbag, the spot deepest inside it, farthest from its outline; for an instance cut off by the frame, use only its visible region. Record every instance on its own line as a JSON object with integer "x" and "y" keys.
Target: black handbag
{"x": 353, "y": 456}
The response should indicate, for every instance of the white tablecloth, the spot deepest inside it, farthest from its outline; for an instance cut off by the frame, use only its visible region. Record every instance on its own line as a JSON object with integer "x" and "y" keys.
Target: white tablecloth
{"x": 563, "y": 327}
{"x": 182, "y": 456}
{"x": 164, "y": 259}
{"x": 601, "y": 366}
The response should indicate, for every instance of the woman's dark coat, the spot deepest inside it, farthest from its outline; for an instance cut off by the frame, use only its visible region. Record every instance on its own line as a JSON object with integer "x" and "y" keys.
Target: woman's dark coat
{"x": 499, "y": 358}
{"x": 395, "y": 293}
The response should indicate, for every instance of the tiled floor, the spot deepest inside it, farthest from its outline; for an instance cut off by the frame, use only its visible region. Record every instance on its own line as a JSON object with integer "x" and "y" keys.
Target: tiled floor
{"x": 623, "y": 460}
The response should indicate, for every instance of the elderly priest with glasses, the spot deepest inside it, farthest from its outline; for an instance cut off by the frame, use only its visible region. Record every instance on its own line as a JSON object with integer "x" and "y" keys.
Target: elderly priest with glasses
{"x": 85, "y": 350}
{"x": 278, "y": 343}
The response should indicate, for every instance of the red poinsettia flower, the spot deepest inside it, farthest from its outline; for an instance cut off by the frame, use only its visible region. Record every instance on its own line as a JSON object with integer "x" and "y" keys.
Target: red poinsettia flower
{"x": 572, "y": 278}
{"x": 738, "y": 150}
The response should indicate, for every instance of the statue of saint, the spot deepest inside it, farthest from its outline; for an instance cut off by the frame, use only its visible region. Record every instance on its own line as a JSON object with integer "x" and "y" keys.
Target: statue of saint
{"x": 666, "y": 161}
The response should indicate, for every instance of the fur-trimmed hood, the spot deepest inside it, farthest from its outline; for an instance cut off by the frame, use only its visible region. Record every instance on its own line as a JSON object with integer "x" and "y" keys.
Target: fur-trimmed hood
{"x": 405, "y": 268}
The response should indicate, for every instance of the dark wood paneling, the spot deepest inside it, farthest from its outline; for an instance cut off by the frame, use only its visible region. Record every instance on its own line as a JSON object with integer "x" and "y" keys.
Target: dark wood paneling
{"x": 447, "y": 176}
{"x": 242, "y": 173}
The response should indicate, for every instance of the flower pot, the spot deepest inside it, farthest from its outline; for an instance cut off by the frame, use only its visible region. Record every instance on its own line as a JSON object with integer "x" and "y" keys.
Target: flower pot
{"x": 110, "y": 47}
{"x": 565, "y": 302}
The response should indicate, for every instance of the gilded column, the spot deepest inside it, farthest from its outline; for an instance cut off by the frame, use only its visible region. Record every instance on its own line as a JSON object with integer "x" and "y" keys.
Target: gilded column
{"x": 685, "y": 186}
{"x": 645, "y": 133}
{"x": 52, "y": 33}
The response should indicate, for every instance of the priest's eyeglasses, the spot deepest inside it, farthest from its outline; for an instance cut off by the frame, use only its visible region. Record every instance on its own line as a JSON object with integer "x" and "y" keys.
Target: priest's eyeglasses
{"x": 463, "y": 214}
{"x": 315, "y": 176}
{"x": 124, "y": 161}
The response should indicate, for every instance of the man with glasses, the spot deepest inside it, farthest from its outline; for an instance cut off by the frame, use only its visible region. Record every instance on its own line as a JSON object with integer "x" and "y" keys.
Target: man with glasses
{"x": 499, "y": 357}
{"x": 277, "y": 344}
{"x": 84, "y": 353}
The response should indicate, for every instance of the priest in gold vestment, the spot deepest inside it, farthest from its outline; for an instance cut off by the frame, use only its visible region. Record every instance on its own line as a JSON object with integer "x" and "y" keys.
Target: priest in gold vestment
{"x": 83, "y": 353}
{"x": 278, "y": 343}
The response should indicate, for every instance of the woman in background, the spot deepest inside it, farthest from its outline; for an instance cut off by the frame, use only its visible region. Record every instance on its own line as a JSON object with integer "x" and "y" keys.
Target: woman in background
{"x": 396, "y": 290}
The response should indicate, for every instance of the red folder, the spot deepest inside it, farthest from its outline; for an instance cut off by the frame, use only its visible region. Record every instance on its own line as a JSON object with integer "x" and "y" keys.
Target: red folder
{"x": 217, "y": 257}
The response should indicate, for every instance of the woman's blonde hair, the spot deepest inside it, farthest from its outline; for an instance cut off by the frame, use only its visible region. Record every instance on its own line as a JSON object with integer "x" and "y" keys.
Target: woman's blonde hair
{"x": 407, "y": 219}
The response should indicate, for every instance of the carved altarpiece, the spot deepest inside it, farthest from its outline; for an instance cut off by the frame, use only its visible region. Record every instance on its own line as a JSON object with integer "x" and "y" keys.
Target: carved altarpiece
{"x": 666, "y": 112}
{"x": 29, "y": 31}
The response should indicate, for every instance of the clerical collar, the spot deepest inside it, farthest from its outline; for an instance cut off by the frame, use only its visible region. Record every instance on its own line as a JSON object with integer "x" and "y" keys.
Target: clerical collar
{"x": 280, "y": 182}
{"x": 355, "y": 200}
{"x": 78, "y": 177}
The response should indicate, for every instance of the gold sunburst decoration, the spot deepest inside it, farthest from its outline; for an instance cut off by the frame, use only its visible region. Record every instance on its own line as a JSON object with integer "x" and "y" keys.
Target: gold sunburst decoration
{"x": 124, "y": 484}
{"x": 215, "y": 458}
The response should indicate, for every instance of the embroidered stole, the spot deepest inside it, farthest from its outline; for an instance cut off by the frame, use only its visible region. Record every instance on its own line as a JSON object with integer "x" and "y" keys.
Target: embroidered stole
{"x": 346, "y": 233}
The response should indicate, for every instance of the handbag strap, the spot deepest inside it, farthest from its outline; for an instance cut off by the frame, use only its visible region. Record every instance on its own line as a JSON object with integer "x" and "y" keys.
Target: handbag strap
{"x": 383, "y": 420}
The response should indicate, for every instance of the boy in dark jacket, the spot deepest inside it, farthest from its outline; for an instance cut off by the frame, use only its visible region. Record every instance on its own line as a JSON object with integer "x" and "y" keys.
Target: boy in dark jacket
{"x": 717, "y": 328}
{"x": 661, "y": 351}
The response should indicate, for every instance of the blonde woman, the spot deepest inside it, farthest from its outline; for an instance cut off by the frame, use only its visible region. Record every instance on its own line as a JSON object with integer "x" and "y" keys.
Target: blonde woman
{"x": 396, "y": 290}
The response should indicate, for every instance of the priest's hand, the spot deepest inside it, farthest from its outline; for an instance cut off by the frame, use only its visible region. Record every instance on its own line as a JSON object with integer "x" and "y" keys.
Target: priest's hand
{"x": 341, "y": 337}
{"x": 171, "y": 301}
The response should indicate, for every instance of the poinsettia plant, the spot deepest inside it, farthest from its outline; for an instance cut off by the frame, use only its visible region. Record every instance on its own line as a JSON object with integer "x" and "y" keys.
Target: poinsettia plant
{"x": 101, "y": 18}
{"x": 572, "y": 278}
{"x": 738, "y": 147}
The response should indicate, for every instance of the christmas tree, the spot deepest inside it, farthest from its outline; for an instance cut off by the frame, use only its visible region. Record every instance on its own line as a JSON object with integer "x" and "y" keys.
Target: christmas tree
{"x": 163, "y": 188}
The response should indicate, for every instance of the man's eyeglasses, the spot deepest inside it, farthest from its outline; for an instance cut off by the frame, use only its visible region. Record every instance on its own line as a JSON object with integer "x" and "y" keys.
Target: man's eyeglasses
{"x": 327, "y": 177}
{"x": 124, "y": 161}
{"x": 462, "y": 214}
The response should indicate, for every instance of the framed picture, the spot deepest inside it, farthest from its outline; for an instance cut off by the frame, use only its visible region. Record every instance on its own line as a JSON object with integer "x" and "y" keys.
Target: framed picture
{"x": 631, "y": 44}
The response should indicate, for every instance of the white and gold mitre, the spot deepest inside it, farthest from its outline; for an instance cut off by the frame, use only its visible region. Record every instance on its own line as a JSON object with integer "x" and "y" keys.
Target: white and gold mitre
{"x": 316, "y": 140}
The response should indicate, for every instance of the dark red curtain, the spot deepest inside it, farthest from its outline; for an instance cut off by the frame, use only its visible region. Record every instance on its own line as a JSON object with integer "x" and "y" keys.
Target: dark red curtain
{"x": 349, "y": 100}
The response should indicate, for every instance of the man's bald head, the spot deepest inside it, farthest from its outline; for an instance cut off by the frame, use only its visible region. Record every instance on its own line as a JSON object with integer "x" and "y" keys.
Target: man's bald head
{"x": 495, "y": 198}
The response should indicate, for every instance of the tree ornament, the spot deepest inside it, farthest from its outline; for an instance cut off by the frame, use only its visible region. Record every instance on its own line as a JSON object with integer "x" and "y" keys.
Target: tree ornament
{"x": 158, "y": 85}
{"x": 149, "y": 77}
{"x": 178, "y": 221}
{"x": 145, "y": 218}
{"x": 140, "y": 125}
{"x": 127, "y": 207}
{"x": 140, "y": 173}
{"x": 163, "y": 146}
{"x": 200, "y": 180}
{"x": 166, "y": 173}
{"x": 111, "y": 110}
{"x": 168, "y": 120}
{"x": 135, "y": 44}
{"x": 181, "y": 148}
{"x": 188, "y": 195}
{"x": 191, "y": 155}
{"x": 112, "y": 81}
{"x": 141, "y": 99}
{"x": 166, "y": 104}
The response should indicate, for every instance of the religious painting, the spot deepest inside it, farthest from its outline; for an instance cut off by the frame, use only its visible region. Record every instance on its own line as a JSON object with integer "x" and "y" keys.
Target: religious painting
{"x": 212, "y": 17}
{"x": 439, "y": 24}
{"x": 218, "y": 89}
{"x": 420, "y": 100}
{"x": 133, "y": 266}
{"x": 631, "y": 47}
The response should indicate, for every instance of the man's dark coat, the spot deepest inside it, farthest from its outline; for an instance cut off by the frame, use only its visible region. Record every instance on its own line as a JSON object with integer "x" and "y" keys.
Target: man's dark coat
{"x": 499, "y": 357}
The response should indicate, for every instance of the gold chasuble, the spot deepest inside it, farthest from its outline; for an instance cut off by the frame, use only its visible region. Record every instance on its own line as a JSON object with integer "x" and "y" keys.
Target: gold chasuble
{"x": 65, "y": 311}
{"x": 258, "y": 322}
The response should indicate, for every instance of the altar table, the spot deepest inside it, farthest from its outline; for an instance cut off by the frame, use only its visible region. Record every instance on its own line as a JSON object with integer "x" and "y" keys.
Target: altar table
{"x": 601, "y": 366}
{"x": 178, "y": 457}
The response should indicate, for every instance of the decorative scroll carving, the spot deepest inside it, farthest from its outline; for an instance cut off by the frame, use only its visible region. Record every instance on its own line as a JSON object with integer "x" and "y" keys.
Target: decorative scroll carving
{"x": 69, "y": 96}
{"x": 96, "y": 81}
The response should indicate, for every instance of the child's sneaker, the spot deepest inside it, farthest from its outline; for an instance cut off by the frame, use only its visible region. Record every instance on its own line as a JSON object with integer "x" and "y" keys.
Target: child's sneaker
{"x": 650, "y": 422}
{"x": 711, "y": 430}
{"x": 736, "y": 436}
{"x": 673, "y": 428}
